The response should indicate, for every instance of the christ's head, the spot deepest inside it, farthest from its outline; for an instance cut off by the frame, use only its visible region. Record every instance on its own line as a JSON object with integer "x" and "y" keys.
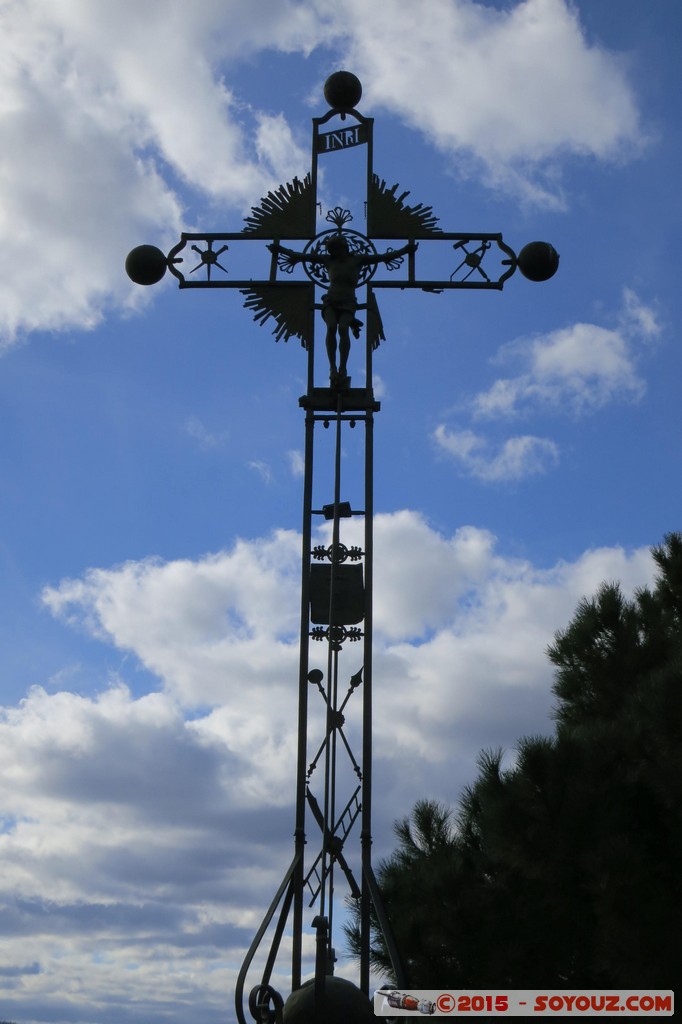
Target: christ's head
{"x": 336, "y": 245}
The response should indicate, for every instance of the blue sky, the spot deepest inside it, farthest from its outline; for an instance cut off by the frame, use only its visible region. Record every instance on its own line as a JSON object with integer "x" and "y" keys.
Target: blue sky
{"x": 527, "y": 447}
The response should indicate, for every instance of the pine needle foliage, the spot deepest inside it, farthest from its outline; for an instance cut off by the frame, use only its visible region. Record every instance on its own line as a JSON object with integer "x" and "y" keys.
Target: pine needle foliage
{"x": 562, "y": 871}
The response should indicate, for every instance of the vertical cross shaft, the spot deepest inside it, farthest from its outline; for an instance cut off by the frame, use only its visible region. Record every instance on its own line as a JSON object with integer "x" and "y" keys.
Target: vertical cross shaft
{"x": 334, "y": 752}
{"x": 337, "y": 600}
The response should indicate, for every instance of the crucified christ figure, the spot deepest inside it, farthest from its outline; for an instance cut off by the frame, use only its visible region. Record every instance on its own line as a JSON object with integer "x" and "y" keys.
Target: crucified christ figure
{"x": 339, "y": 303}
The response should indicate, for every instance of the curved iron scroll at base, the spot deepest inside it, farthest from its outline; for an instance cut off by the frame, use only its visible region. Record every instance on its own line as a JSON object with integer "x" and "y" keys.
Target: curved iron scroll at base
{"x": 259, "y": 1005}
{"x": 287, "y": 887}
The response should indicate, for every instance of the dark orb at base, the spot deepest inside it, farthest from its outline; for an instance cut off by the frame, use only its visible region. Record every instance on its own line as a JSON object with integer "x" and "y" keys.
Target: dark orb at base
{"x": 345, "y": 1003}
{"x": 145, "y": 264}
{"x": 343, "y": 90}
{"x": 538, "y": 261}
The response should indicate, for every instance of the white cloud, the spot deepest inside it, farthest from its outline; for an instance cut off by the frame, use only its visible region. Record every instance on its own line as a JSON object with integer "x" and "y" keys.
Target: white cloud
{"x": 581, "y": 367}
{"x": 107, "y": 107}
{"x": 460, "y": 636}
{"x": 100, "y": 102}
{"x": 263, "y": 469}
{"x": 277, "y": 149}
{"x": 235, "y": 611}
{"x": 486, "y": 669}
{"x": 510, "y": 89}
{"x": 517, "y": 457}
{"x": 296, "y": 463}
{"x": 379, "y": 386}
{"x": 639, "y": 321}
{"x": 142, "y": 838}
{"x": 206, "y": 439}
{"x": 222, "y": 631}
{"x": 441, "y": 571}
{"x": 131, "y": 861}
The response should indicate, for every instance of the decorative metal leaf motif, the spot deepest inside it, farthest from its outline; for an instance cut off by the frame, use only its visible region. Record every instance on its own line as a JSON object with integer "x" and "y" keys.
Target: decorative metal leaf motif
{"x": 375, "y": 327}
{"x": 339, "y": 216}
{"x": 289, "y": 212}
{"x": 389, "y": 217}
{"x": 321, "y": 552}
{"x": 290, "y": 306}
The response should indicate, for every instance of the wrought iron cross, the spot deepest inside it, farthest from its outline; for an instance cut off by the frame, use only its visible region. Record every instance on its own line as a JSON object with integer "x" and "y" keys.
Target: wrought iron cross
{"x": 320, "y": 280}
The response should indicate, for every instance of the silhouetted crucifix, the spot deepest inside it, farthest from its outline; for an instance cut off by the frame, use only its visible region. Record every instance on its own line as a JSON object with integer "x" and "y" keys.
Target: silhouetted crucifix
{"x": 339, "y": 303}
{"x": 338, "y": 262}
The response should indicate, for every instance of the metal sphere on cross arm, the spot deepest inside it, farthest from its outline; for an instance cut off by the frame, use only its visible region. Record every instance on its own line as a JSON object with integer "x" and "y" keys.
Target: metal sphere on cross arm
{"x": 145, "y": 264}
{"x": 538, "y": 261}
{"x": 343, "y": 90}
{"x": 345, "y": 1003}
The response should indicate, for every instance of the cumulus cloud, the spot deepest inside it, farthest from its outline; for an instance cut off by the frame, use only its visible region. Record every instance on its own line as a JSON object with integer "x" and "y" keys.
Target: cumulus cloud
{"x": 515, "y": 459}
{"x": 125, "y": 846}
{"x": 512, "y": 90}
{"x": 105, "y": 110}
{"x": 235, "y": 609}
{"x": 221, "y": 632}
{"x": 579, "y": 368}
{"x": 487, "y": 664}
{"x": 114, "y": 114}
{"x": 142, "y": 837}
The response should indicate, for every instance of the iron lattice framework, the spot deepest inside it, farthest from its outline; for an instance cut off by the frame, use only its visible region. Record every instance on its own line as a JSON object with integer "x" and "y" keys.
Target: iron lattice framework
{"x": 334, "y": 762}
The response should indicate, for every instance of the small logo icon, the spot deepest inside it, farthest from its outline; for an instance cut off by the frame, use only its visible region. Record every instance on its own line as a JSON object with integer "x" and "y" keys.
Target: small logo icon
{"x": 404, "y": 1001}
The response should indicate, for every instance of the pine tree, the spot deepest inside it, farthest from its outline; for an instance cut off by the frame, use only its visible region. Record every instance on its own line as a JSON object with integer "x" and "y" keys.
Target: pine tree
{"x": 563, "y": 871}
